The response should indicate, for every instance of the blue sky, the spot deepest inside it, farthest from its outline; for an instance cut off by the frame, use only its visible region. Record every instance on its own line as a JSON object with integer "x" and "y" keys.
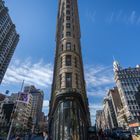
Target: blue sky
{"x": 109, "y": 28}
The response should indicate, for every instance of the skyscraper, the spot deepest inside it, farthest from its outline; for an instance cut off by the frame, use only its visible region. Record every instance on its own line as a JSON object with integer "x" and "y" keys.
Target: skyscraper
{"x": 110, "y": 105}
{"x": 8, "y": 39}
{"x": 37, "y": 103}
{"x": 115, "y": 104}
{"x": 23, "y": 109}
{"x": 100, "y": 120}
{"x": 2, "y": 97}
{"x": 6, "y": 109}
{"x": 137, "y": 95}
{"x": 69, "y": 115}
{"x": 128, "y": 81}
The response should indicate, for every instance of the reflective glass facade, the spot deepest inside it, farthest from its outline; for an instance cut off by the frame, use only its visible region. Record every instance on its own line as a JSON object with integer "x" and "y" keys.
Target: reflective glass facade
{"x": 68, "y": 123}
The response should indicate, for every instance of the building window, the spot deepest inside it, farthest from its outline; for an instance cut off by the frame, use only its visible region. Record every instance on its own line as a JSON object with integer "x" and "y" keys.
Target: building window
{"x": 62, "y": 35}
{"x": 68, "y": 80}
{"x": 68, "y": 1}
{"x": 67, "y": 25}
{"x": 68, "y": 12}
{"x": 76, "y": 80}
{"x": 72, "y": 13}
{"x": 73, "y": 28}
{"x": 68, "y": 46}
{"x": 67, "y": 17}
{"x": 75, "y": 61}
{"x": 62, "y": 27}
{"x": 68, "y": 6}
{"x": 62, "y": 47}
{"x": 60, "y": 77}
{"x": 63, "y": 19}
{"x": 61, "y": 59}
{"x": 68, "y": 60}
{"x": 68, "y": 33}
{"x": 74, "y": 47}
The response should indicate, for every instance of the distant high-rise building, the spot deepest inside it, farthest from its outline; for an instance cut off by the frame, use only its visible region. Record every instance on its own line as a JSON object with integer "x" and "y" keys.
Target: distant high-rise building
{"x": 115, "y": 106}
{"x": 23, "y": 109}
{"x": 6, "y": 110}
{"x": 43, "y": 124}
{"x": 111, "y": 103}
{"x": 111, "y": 115}
{"x": 37, "y": 103}
{"x": 8, "y": 39}
{"x": 100, "y": 120}
{"x": 137, "y": 95}
{"x": 2, "y": 97}
{"x": 107, "y": 108}
{"x": 127, "y": 81}
{"x": 69, "y": 116}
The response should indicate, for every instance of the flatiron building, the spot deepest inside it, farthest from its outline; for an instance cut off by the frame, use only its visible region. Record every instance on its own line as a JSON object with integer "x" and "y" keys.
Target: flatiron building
{"x": 8, "y": 39}
{"x": 69, "y": 116}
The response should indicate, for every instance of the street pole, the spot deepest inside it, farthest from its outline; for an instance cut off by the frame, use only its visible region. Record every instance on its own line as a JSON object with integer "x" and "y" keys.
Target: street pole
{"x": 10, "y": 129}
{"x": 12, "y": 122}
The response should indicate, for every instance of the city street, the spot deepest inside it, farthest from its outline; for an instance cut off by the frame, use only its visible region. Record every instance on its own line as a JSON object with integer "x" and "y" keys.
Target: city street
{"x": 36, "y": 137}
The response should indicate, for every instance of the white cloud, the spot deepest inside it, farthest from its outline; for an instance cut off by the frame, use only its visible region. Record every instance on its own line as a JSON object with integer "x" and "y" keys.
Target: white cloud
{"x": 98, "y": 92}
{"x": 98, "y": 76}
{"x": 110, "y": 18}
{"x": 91, "y": 15}
{"x": 93, "y": 108}
{"x": 133, "y": 17}
{"x": 46, "y": 104}
{"x": 38, "y": 74}
{"x": 138, "y": 21}
{"x": 120, "y": 16}
{"x": 98, "y": 79}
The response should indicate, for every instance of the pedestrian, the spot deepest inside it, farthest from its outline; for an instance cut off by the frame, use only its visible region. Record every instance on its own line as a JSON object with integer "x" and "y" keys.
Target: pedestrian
{"x": 13, "y": 137}
{"x": 45, "y": 135}
{"x": 18, "y": 138}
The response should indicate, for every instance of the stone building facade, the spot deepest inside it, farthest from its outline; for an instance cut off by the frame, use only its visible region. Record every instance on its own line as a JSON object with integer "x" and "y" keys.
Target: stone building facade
{"x": 69, "y": 115}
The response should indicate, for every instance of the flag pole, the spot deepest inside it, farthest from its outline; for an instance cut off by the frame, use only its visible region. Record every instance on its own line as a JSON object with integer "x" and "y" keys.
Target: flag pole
{"x": 14, "y": 111}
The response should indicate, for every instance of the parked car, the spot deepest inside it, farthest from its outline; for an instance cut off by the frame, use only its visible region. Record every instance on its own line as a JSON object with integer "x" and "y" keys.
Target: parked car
{"x": 125, "y": 135}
